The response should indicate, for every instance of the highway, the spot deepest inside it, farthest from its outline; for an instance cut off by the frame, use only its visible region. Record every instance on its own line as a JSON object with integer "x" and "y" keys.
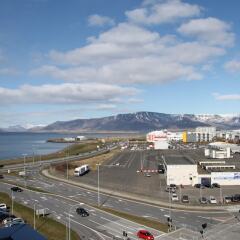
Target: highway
{"x": 98, "y": 225}
{"x": 181, "y": 218}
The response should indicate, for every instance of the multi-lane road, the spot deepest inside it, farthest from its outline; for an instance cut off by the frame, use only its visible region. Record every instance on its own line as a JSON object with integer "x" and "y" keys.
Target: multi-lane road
{"x": 101, "y": 225}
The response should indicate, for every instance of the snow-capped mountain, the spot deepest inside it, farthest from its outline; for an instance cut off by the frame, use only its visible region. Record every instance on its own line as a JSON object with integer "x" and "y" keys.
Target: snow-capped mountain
{"x": 139, "y": 122}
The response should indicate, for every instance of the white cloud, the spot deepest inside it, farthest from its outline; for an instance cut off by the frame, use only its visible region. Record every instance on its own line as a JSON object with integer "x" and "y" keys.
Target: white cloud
{"x": 225, "y": 97}
{"x": 68, "y": 93}
{"x": 8, "y": 71}
{"x": 210, "y": 30}
{"x": 232, "y": 66}
{"x": 98, "y": 20}
{"x": 157, "y": 12}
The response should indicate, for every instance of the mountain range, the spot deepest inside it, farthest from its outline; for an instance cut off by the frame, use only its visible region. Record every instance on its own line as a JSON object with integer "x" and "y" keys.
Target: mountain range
{"x": 138, "y": 122}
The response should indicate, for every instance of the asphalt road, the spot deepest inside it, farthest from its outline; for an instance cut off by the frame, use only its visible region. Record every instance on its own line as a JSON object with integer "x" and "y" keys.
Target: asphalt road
{"x": 98, "y": 225}
{"x": 181, "y": 218}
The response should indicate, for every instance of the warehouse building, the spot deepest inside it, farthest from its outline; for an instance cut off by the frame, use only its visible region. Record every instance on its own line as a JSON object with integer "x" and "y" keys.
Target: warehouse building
{"x": 190, "y": 168}
{"x": 180, "y": 170}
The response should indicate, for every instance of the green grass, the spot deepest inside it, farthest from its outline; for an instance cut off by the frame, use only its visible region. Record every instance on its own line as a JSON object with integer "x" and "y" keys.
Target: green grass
{"x": 48, "y": 227}
{"x": 140, "y": 220}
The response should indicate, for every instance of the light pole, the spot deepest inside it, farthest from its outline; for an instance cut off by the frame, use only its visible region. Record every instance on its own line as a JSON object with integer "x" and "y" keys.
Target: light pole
{"x": 221, "y": 195}
{"x": 34, "y": 215}
{"x": 98, "y": 165}
{"x": 12, "y": 201}
{"x": 69, "y": 219}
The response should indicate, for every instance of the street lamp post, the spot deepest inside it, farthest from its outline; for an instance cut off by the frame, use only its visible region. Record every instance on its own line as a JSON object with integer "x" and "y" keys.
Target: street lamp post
{"x": 34, "y": 215}
{"x": 12, "y": 201}
{"x": 98, "y": 165}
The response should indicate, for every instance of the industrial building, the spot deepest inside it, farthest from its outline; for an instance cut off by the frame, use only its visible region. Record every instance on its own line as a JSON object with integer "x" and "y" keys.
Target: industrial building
{"x": 179, "y": 170}
{"x": 201, "y": 134}
{"x": 192, "y": 167}
{"x": 215, "y": 153}
{"x": 162, "y": 138}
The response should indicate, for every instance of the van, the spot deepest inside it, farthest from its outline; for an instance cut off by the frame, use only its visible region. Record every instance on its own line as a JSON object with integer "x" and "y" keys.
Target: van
{"x": 79, "y": 171}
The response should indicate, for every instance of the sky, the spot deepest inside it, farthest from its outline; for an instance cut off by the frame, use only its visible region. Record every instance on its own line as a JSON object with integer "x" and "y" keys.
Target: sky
{"x": 63, "y": 60}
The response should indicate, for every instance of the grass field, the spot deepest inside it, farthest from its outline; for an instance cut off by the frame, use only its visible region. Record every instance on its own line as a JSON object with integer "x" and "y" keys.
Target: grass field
{"x": 48, "y": 227}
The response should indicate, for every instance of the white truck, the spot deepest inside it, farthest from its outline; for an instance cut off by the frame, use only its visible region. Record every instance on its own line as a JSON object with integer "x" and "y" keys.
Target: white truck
{"x": 79, "y": 171}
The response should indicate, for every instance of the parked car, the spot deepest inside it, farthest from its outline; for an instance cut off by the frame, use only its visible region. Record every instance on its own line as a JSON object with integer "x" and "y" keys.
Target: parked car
{"x": 3, "y": 207}
{"x": 144, "y": 234}
{"x": 185, "y": 199}
{"x": 198, "y": 185}
{"x": 236, "y": 198}
{"x": 173, "y": 186}
{"x": 1, "y": 176}
{"x": 169, "y": 189}
{"x": 215, "y": 185}
{"x": 15, "y": 221}
{"x": 147, "y": 175}
{"x": 212, "y": 200}
{"x": 207, "y": 185}
{"x": 16, "y": 189}
{"x": 8, "y": 220}
{"x": 227, "y": 199}
{"x": 203, "y": 200}
{"x": 174, "y": 197}
{"x": 82, "y": 212}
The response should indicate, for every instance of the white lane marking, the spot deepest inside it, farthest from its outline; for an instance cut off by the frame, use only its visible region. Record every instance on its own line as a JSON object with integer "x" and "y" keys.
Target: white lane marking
{"x": 99, "y": 234}
{"x": 133, "y": 228}
{"x": 75, "y": 195}
{"x": 69, "y": 214}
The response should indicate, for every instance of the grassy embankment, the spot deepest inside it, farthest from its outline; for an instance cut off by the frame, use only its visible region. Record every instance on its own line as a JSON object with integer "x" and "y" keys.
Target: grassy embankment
{"x": 48, "y": 227}
{"x": 92, "y": 162}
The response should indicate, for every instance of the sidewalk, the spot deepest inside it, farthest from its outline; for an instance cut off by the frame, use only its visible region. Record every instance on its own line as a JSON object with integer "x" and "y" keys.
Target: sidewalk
{"x": 134, "y": 197}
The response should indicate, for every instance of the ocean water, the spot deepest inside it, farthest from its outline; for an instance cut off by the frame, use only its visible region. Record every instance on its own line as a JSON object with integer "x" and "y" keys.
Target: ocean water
{"x": 14, "y": 145}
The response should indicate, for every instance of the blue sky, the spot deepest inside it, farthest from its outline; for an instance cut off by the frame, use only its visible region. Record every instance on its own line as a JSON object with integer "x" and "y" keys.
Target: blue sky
{"x": 62, "y": 60}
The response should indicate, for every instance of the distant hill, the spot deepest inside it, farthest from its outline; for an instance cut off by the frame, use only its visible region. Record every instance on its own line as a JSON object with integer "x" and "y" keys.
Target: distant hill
{"x": 136, "y": 122}
{"x": 139, "y": 122}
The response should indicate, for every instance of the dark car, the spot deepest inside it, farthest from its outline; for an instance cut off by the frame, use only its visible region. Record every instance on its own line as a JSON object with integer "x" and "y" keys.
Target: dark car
{"x": 185, "y": 199}
{"x": 215, "y": 185}
{"x": 4, "y": 215}
{"x": 198, "y": 185}
{"x": 16, "y": 189}
{"x": 207, "y": 185}
{"x": 173, "y": 186}
{"x": 236, "y": 198}
{"x": 1, "y": 176}
{"x": 203, "y": 200}
{"x": 82, "y": 212}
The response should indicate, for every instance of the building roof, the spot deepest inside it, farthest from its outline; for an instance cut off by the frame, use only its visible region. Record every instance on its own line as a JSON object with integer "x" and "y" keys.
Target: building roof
{"x": 174, "y": 159}
{"x": 20, "y": 232}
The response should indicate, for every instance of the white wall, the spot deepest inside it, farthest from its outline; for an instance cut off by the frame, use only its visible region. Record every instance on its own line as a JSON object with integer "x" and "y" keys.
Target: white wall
{"x": 161, "y": 145}
{"x": 181, "y": 174}
{"x": 226, "y": 178}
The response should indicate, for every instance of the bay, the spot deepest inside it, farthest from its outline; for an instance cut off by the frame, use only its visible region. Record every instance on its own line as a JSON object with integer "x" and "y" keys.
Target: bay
{"x": 14, "y": 145}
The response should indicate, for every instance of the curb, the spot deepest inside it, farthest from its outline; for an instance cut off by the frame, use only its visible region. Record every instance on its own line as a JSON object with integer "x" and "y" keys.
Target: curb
{"x": 135, "y": 198}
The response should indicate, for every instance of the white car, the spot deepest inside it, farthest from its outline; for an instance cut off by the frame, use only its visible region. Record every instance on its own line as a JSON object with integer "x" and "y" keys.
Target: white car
{"x": 174, "y": 197}
{"x": 212, "y": 200}
{"x": 3, "y": 206}
{"x": 15, "y": 221}
{"x": 7, "y": 220}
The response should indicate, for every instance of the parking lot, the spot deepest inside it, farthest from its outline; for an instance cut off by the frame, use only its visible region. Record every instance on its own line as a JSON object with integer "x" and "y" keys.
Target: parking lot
{"x": 135, "y": 172}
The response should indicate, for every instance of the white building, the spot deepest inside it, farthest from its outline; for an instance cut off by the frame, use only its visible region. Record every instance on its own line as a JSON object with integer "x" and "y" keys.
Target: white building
{"x": 213, "y": 153}
{"x": 205, "y": 134}
{"x": 223, "y": 146}
{"x": 80, "y": 138}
